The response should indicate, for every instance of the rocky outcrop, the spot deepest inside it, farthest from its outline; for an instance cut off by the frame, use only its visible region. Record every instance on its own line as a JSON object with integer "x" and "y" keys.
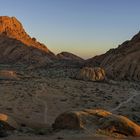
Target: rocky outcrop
{"x": 91, "y": 74}
{"x": 79, "y": 119}
{"x": 16, "y": 46}
{"x": 7, "y": 122}
{"x": 8, "y": 75}
{"x": 97, "y": 119}
{"x": 122, "y": 62}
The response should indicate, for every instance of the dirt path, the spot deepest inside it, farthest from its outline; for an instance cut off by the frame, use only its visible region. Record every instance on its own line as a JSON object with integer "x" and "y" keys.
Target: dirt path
{"x": 41, "y": 101}
{"x": 135, "y": 93}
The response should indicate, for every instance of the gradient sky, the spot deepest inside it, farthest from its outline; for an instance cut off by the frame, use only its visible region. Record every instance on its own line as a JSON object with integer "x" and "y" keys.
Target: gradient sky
{"x": 83, "y": 27}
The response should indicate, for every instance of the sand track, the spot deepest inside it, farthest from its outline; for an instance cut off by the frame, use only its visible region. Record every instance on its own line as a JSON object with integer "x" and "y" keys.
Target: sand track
{"x": 134, "y": 92}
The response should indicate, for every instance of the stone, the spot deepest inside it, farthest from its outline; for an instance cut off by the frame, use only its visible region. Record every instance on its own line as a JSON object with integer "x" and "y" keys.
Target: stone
{"x": 8, "y": 75}
{"x": 96, "y": 119}
{"x": 7, "y": 122}
{"x": 91, "y": 74}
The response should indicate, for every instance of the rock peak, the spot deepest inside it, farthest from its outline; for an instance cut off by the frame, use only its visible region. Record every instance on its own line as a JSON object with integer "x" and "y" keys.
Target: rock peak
{"x": 11, "y": 27}
{"x": 16, "y": 46}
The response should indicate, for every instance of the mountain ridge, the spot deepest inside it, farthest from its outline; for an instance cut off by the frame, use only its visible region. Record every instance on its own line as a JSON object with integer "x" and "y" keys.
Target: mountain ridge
{"x": 18, "y": 47}
{"x": 122, "y": 62}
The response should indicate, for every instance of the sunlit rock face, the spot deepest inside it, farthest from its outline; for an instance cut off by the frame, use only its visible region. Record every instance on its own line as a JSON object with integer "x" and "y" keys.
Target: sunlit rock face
{"x": 7, "y": 122}
{"x": 8, "y": 75}
{"x": 96, "y": 119}
{"x": 12, "y": 28}
{"x": 91, "y": 74}
{"x": 17, "y": 46}
{"x": 122, "y": 62}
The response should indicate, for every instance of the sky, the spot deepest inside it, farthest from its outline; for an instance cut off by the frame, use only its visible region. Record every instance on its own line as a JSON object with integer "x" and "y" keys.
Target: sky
{"x": 83, "y": 27}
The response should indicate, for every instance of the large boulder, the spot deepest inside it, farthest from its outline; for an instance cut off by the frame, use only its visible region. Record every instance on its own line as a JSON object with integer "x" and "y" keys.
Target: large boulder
{"x": 7, "y": 122}
{"x": 97, "y": 119}
{"x": 120, "y": 124}
{"x": 91, "y": 74}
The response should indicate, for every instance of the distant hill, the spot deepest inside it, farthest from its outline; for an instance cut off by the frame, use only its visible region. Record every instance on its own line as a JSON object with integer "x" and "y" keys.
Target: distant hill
{"x": 122, "y": 62}
{"x": 69, "y": 56}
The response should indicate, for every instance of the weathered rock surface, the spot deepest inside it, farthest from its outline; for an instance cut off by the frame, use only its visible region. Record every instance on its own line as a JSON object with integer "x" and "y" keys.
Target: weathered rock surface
{"x": 12, "y": 28}
{"x": 97, "y": 119}
{"x": 122, "y": 62}
{"x": 7, "y": 122}
{"x": 17, "y": 46}
{"x": 8, "y": 75}
{"x": 91, "y": 74}
{"x": 120, "y": 124}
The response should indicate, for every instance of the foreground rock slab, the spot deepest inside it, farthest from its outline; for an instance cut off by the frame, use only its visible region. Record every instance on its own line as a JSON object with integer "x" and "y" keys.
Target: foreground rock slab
{"x": 97, "y": 119}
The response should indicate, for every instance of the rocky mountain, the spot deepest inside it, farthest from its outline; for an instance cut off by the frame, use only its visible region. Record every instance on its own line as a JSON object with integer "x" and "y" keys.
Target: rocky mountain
{"x": 17, "y": 46}
{"x": 122, "y": 62}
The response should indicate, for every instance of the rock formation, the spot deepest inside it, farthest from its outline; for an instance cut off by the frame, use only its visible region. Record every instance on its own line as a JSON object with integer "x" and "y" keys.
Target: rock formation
{"x": 8, "y": 75}
{"x": 7, "y": 122}
{"x": 122, "y": 62}
{"x": 69, "y": 56}
{"x": 97, "y": 119}
{"x": 16, "y": 46}
{"x": 91, "y": 74}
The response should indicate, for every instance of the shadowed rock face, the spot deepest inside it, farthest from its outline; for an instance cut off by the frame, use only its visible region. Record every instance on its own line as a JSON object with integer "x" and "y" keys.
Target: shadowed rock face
{"x": 91, "y": 74}
{"x": 12, "y": 28}
{"x": 17, "y": 46}
{"x": 97, "y": 119}
{"x": 122, "y": 62}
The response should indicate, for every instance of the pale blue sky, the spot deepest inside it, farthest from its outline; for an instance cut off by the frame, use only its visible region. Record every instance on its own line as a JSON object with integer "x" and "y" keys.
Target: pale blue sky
{"x": 83, "y": 27}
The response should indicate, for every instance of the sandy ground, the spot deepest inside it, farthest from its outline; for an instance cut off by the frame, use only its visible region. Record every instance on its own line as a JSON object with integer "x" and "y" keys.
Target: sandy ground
{"x": 37, "y": 100}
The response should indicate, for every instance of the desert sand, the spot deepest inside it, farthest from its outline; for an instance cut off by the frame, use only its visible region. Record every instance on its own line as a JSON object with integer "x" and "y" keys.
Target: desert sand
{"x": 36, "y": 98}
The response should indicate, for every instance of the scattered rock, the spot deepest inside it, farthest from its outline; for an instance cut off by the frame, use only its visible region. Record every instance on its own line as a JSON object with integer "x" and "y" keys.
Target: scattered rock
{"x": 8, "y": 75}
{"x": 69, "y": 56}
